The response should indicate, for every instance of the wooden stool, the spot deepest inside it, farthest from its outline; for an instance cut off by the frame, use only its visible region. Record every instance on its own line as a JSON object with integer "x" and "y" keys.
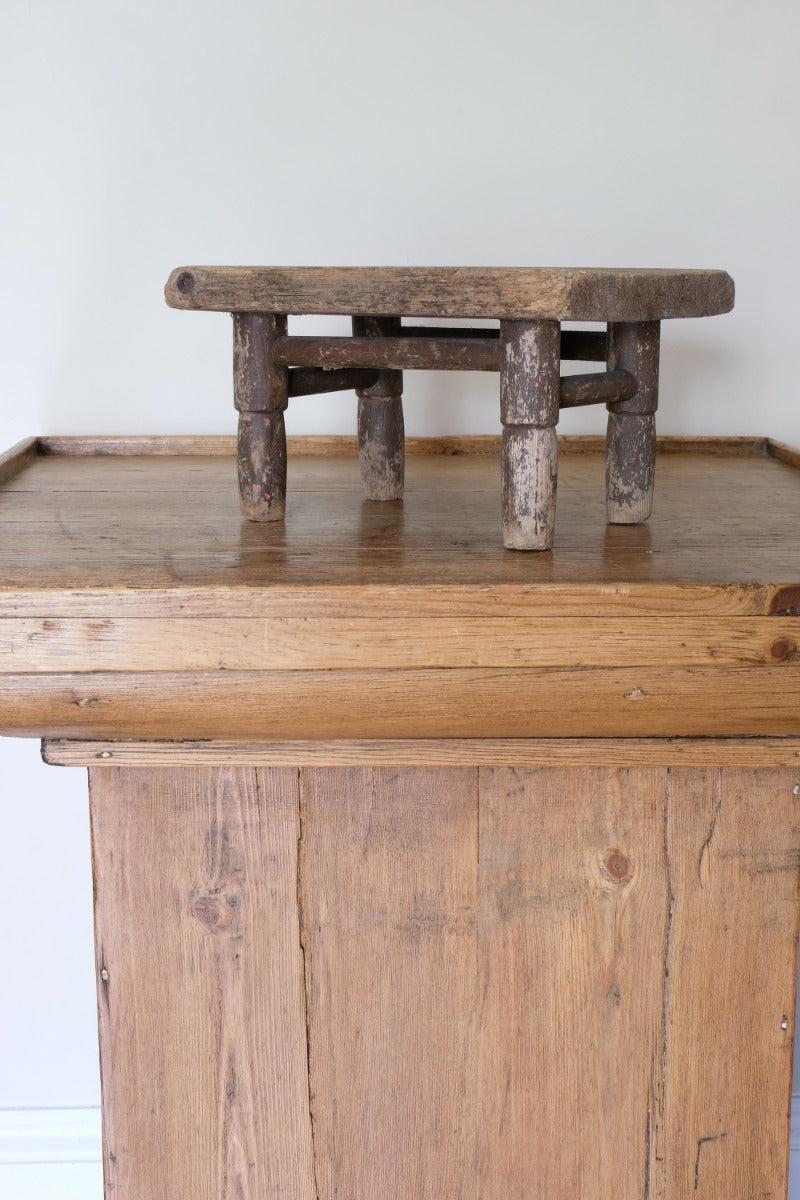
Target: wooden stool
{"x": 530, "y": 304}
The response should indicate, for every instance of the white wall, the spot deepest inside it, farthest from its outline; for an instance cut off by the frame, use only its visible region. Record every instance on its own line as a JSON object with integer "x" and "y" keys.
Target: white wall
{"x": 140, "y": 136}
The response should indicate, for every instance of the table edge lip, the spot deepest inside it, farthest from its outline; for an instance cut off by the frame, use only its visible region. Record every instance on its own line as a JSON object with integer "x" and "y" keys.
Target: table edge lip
{"x": 777, "y": 751}
{"x": 19, "y": 455}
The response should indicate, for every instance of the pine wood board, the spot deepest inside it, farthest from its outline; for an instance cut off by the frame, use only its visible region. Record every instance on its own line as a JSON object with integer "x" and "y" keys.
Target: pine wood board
{"x": 346, "y": 446}
{"x": 389, "y": 887}
{"x": 139, "y": 570}
{"x": 452, "y": 752}
{"x": 72, "y": 527}
{"x": 470, "y": 702}
{"x": 16, "y": 457}
{"x": 572, "y": 932}
{"x": 200, "y": 984}
{"x": 626, "y": 600}
{"x": 577, "y": 294}
{"x": 731, "y": 943}
{"x": 75, "y": 645}
{"x": 444, "y": 982}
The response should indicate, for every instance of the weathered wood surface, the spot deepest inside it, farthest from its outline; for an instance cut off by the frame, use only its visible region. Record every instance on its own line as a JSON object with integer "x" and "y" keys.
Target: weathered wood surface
{"x": 576, "y": 344}
{"x": 338, "y": 445}
{"x": 731, "y": 955}
{"x": 396, "y": 353}
{"x": 631, "y": 435}
{"x": 381, "y": 429}
{"x": 452, "y": 752}
{"x": 389, "y": 883}
{"x": 446, "y": 982}
{"x": 529, "y": 405}
{"x": 648, "y": 701}
{"x": 40, "y": 645}
{"x": 14, "y": 459}
{"x": 783, "y": 452}
{"x": 106, "y": 536}
{"x": 596, "y": 387}
{"x": 261, "y": 395}
{"x": 385, "y": 609}
{"x": 259, "y": 382}
{"x": 261, "y": 462}
{"x": 574, "y": 899}
{"x": 315, "y": 381}
{"x": 643, "y": 910}
{"x": 515, "y": 293}
{"x": 200, "y": 985}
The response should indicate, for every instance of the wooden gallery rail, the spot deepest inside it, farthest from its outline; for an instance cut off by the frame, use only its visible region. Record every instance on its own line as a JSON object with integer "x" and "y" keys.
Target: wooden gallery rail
{"x": 270, "y": 367}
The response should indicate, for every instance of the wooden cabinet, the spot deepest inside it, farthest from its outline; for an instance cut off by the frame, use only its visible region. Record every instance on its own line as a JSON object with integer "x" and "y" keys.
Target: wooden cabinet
{"x": 422, "y": 867}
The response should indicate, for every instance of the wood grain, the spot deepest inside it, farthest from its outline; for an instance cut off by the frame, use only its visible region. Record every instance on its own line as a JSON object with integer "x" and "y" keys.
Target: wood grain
{"x": 399, "y": 353}
{"x": 529, "y": 400}
{"x": 348, "y": 643}
{"x": 200, "y": 985}
{"x": 314, "y": 381}
{"x": 14, "y": 459}
{"x": 726, "y": 538}
{"x": 648, "y": 625}
{"x": 732, "y": 838}
{"x": 381, "y": 429}
{"x": 654, "y": 916}
{"x": 328, "y": 446}
{"x": 631, "y": 435}
{"x": 491, "y": 957}
{"x": 597, "y": 387}
{"x": 783, "y": 452}
{"x": 572, "y": 931}
{"x": 260, "y": 395}
{"x": 579, "y": 294}
{"x": 389, "y": 895}
{"x": 452, "y": 752}
{"x": 470, "y": 702}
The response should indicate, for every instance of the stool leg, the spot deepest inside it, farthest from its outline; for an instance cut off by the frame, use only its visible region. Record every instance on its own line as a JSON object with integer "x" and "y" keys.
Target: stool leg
{"x": 529, "y": 395}
{"x": 631, "y": 433}
{"x": 381, "y": 433}
{"x": 261, "y": 394}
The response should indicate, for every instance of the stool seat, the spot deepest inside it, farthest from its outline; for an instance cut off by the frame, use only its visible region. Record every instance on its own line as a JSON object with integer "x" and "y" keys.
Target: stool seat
{"x": 502, "y": 293}
{"x": 530, "y": 303}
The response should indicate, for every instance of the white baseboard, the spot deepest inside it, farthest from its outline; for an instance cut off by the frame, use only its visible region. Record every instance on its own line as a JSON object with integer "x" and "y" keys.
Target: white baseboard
{"x": 49, "y": 1135}
{"x": 51, "y": 1181}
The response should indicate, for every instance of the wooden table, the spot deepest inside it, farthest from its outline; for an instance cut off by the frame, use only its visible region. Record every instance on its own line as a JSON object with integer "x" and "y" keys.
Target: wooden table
{"x": 423, "y": 868}
{"x": 270, "y": 367}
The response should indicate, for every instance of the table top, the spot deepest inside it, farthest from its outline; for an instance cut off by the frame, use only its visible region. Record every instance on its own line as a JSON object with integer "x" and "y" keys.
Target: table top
{"x": 498, "y": 293}
{"x": 125, "y": 526}
{"x": 136, "y": 603}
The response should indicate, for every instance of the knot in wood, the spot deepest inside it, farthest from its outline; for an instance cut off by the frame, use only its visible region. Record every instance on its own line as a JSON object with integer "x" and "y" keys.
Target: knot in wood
{"x": 783, "y": 648}
{"x": 617, "y": 865}
{"x": 215, "y": 912}
{"x": 185, "y": 283}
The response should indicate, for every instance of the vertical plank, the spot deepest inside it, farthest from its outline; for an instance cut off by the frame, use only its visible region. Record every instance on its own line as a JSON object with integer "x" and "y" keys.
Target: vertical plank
{"x": 200, "y": 984}
{"x": 388, "y": 868}
{"x": 571, "y": 942}
{"x": 732, "y": 958}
